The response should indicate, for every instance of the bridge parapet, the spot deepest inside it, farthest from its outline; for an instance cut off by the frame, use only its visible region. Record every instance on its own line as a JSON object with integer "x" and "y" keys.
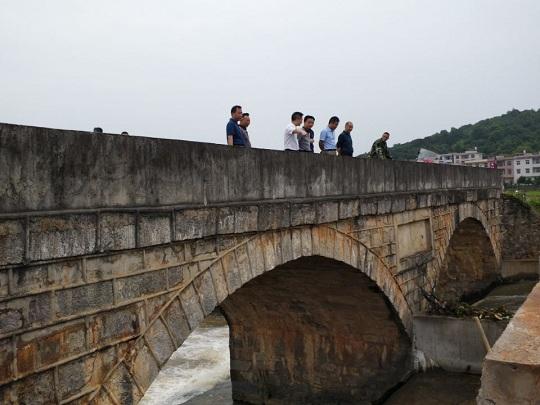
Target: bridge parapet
{"x": 49, "y": 169}
{"x": 69, "y": 193}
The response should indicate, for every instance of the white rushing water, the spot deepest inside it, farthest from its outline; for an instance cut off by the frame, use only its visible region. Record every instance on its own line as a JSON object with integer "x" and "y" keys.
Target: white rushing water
{"x": 200, "y": 364}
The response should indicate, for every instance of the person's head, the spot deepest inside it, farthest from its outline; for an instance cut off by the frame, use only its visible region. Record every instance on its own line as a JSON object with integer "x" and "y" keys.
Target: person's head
{"x": 333, "y": 123}
{"x": 349, "y": 126}
{"x": 245, "y": 120}
{"x": 236, "y": 113}
{"x": 124, "y": 133}
{"x": 98, "y": 130}
{"x": 385, "y": 136}
{"x": 296, "y": 118}
{"x": 309, "y": 121}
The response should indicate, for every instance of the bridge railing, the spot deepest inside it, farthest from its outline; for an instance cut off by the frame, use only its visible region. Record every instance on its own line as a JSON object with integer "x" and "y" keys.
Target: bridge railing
{"x": 45, "y": 169}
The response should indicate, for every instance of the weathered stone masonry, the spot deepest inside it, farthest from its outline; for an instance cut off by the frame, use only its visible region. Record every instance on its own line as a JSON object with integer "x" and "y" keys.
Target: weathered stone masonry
{"x": 520, "y": 230}
{"x": 112, "y": 249}
{"x": 293, "y": 346}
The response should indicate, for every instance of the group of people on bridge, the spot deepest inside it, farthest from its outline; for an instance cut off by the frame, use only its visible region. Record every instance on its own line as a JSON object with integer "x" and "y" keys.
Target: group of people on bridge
{"x": 299, "y": 135}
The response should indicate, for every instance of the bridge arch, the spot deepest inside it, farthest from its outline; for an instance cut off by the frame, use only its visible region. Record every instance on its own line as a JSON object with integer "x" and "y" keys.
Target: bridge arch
{"x": 314, "y": 330}
{"x": 264, "y": 252}
{"x": 471, "y": 260}
{"x": 488, "y": 220}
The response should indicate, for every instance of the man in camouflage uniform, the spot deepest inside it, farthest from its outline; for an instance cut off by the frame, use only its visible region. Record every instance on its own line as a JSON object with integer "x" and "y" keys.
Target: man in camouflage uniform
{"x": 379, "y": 150}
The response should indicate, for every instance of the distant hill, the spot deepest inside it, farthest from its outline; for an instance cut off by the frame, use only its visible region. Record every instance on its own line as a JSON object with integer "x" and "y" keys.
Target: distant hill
{"x": 506, "y": 134}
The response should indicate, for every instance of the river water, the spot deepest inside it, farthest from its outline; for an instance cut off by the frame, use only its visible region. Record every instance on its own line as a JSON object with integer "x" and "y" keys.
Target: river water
{"x": 198, "y": 372}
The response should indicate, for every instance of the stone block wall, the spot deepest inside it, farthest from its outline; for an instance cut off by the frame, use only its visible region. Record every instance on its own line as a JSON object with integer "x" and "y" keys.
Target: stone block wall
{"x": 127, "y": 310}
{"x": 520, "y": 230}
{"x": 69, "y": 321}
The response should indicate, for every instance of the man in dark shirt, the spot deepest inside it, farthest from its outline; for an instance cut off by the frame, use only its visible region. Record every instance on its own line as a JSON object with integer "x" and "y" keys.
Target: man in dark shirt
{"x": 305, "y": 142}
{"x": 379, "y": 150}
{"x": 235, "y": 136}
{"x": 344, "y": 144}
{"x": 244, "y": 124}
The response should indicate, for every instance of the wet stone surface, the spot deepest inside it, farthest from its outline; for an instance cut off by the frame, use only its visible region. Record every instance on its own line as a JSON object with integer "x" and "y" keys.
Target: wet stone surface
{"x": 509, "y": 296}
{"x": 438, "y": 387}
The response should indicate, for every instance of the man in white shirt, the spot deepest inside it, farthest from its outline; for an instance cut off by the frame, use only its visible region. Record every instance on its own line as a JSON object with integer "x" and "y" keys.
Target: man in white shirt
{"x": 292, "y": 130}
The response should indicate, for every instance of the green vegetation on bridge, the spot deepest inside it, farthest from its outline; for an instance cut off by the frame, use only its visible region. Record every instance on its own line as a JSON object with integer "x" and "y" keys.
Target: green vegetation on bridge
{"x": 530, "y": 196}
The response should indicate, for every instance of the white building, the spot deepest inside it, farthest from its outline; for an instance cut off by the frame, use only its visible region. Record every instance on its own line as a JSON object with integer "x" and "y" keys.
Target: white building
{"x": 513, "y": 167}
{"x": 467, "y": 156}
{"x": 506, "y": 164}
{"x": 447, "y": 158}
{"x": 462, "y": 158}
{"x": 526, "y": 165}
{"x": 476, "y": 162}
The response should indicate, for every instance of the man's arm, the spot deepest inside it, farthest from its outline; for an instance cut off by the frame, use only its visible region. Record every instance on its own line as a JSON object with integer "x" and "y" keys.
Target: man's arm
{"x": 229, "y": 130}
{"x": 339, "y": 143}
{"x": 299, "y": 131}
{"x": 373, "y": 151}
{"x": 387, "y": 152}
{"x": 322, "y": 137}
{"x": 380, "y": 151}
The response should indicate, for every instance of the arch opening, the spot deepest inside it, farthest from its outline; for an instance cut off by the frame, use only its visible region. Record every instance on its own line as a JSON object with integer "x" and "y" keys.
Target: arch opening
{"x": 366, "y": 294}
{"x": 470, "y": 264}
{"x": 314, "y": 330}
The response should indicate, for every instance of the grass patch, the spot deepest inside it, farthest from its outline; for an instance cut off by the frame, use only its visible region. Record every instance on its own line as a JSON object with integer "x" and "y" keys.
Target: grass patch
{"x": 529, "y": 196}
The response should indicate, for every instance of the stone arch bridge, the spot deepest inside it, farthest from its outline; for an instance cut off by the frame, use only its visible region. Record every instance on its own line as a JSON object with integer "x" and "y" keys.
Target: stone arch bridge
{"x": 114, "y": 248}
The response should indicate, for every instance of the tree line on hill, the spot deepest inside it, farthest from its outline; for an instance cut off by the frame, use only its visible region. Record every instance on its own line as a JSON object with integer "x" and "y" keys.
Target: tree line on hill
{"x": 507, "y": 134}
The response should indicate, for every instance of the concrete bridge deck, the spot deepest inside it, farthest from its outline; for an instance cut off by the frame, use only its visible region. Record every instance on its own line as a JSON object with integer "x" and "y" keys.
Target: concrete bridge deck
{"x": 112, "y": 249}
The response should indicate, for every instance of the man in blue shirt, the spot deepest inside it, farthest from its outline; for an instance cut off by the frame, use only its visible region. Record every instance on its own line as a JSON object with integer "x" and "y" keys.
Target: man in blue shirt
{"x": 327, "y": 141}
{"x": 235, "y": 136}
{"x": 344, "y": 143}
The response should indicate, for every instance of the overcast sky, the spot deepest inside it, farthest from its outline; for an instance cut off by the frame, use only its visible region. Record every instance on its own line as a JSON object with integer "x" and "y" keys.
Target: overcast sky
{"x": 173, "y": 69}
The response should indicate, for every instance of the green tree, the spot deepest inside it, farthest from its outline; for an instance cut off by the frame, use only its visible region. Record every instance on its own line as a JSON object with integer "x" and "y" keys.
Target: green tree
{"x": 506, "y": 134}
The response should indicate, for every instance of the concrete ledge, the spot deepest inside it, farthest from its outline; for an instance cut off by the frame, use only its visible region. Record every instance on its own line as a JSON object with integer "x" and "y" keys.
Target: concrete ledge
{"x": 511, "y": 372}
{"x": 453, "y": 344}
{"x": 524, "y": 267}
